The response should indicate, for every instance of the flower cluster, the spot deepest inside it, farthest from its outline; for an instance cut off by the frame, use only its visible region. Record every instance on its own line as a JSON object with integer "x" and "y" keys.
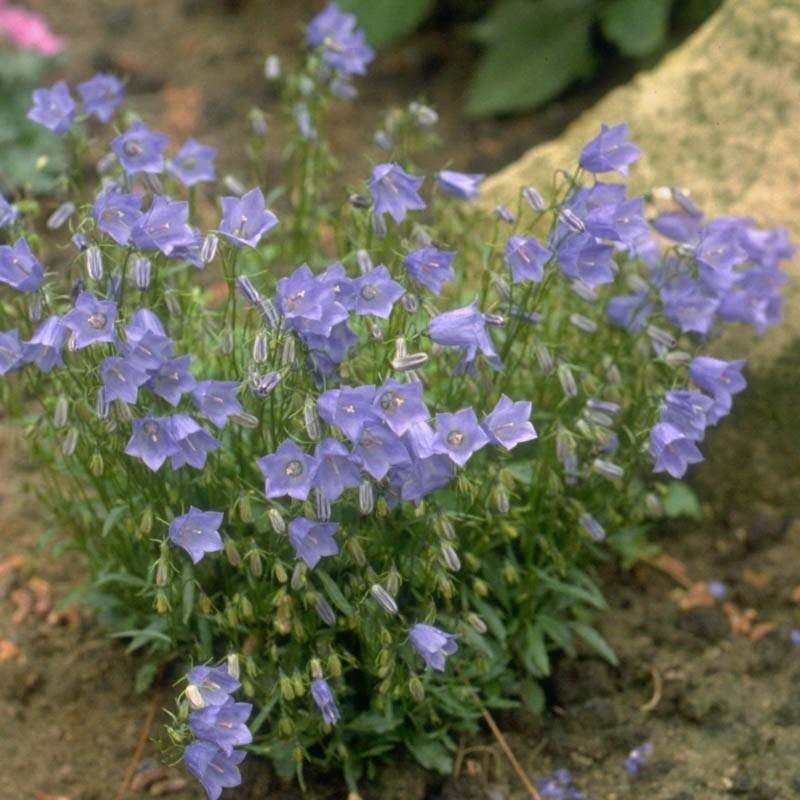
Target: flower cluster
{"x": 359, "y": 444}
{"x": 218, "y": 725}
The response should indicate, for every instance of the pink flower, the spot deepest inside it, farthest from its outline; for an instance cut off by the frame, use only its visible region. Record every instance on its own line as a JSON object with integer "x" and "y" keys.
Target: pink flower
{"x": 28, "y": 31}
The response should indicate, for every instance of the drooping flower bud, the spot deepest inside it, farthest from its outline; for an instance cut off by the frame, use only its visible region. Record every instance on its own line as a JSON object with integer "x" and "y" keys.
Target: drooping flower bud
{"x": 94, "y": 262}
{"x": 60, "y": 216}
{"x": 383, "y": 598}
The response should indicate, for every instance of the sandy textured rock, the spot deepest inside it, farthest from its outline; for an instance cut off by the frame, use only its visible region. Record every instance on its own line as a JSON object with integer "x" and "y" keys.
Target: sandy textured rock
{"x": 720, "y": 116}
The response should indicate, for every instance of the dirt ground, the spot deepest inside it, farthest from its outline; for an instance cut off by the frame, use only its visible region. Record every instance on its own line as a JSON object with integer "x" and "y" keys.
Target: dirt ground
{"x": 713, "y": 686}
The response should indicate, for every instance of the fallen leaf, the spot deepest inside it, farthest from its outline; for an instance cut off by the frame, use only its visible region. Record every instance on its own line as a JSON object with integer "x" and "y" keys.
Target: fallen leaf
{"x": 697, "y": 595}
{"x": 41, "y": 592}
{"x": 759, "y": 580}
{"x": 760, "y": 631}
{"x": 11, "y": 564}
{"x": 673, "y": 567}
{"x": 68, "y": 617}
{"x": 168, "y": 786}
{"x": 8, "y": 651}
{"x": 23, "y": 601}
{"x": 740, "y": 621}
{"x": 147, "y": 774}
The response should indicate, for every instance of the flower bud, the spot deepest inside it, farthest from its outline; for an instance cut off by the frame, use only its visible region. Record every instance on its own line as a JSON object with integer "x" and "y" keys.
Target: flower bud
{"x": 298, "y": 576}
{"x": 232, "y": 552}
{"x": 269, "y": 314}
{"x": 366, "y": 497}
{"x": 209, "y": 248}
{"x": 232, "y": 662}
{"x": 592, "y": 527}
{"x": 607, "y": 469}
{"x": 383, "y": 140}
{"x": 495, "y": 320}
{"x": 258, "y": 122}
{"x": 572, "y": 220}
{"x": 480, "y": 587}
{"x": 234, "y": 185}
{"x": 410, "y": 303}
{"x": 70, "y": 442}
{"x": 315, "y": 668}
{"x": 383, "y": 598}
{"x": 260, "y": 348}
{"x": 653, "y": 505}
{"x": 61, "y": 412}
{"x": 286, "y": 728}
{"x": 533, "y": 198}
{"x": 425, "y": 116}
{"x": 393, "y": 581}
{"x": 503, "y": 213}
{"x": 357, "y": 552}
{"x": 193, "y": 696}
{"x": 311, "y": 419}
{"x": 94, "y": 262}
{"x": 279, "y": 571}
{"x": 450, "y": 557}
{"x": 245, "y": 508}
{"x": 244, "y": 419}
{"x": 254, "y": 564}
{"x": 35, "y": 307}
{"x": 613, "y": 375}
{"x": 226, "y": 341}
{"x": 678, "y": 358}
{"x": 510, "y": 574}
{"x": 410, "y": 362}
{"x": 583, "y": 323}
{"x": 298, "y": 684}
{"x": 501, "y": 499}
{"x": 379, "y": 225}
{"x": 161, "y": 603}
{"x": 276, "y": 521}
{"x": 416, "y": 689}
{"x": 360, "y": 201}
{"x": 322, "y": 506}
{"x": 477, "y": 623}
{"x": 152, "y": 182}
{"x": 543, "y": 358}
{"x": 288, "y": 352}
{"x": 567, "y": 381}
{"x": 660, "y": 336}
{"x": 334, "y": 665}
{"x": 298, "y": 754}
{"x": 96, "y": 465}
{"x": 142, "y": 270}
{"x": 272, "y": 67}
{"x": 60, "y": 216}
{"x": 445, "y": 586}
{"x": 106, "y": 163}
{"x": 324, "y": 610}
{"x": 287, "y": 688}
{"x": 444, "y": 527}
{"x": 173, "y": 305}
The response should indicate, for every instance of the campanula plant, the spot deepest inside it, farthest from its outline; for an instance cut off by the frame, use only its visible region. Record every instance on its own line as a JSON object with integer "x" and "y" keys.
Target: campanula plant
{"x": 345, "y": 458}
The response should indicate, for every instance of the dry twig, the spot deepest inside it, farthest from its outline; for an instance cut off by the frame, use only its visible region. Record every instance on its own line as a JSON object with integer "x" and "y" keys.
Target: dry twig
{"x": 509, "y": 754}
{"x": 137, "y": 753}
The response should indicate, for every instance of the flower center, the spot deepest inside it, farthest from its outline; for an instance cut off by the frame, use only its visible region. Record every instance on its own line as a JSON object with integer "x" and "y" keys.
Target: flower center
{"x": 391, "y": 401}
{"x": 98, "y": 321}
{"x": 132, "y": 148}
{"x": 294, "y": 468}
{"x": 151, "y": 429}
{"x": 188, "y": 529}
{"x": 455, "y": 438}
{"x": 369, "y": 292}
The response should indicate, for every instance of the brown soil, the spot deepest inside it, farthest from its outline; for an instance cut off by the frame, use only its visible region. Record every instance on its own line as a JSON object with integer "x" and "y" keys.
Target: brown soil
{"x": 721, "y": 708}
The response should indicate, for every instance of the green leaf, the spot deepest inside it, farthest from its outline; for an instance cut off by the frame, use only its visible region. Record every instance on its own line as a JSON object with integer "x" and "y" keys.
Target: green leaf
{"x": 145, "y": 676}
{"x": 335, "y": 593}
{"x": 637, "y": 27}
{"x": 596, "y": 642}
{"x": 112, "y": 518}
{"x": 681, "y": 501}
{"x": 535, "y": 655}
{"x": 431, "y": 754}
{"x": 533, "y": 696}
{"x": 385, "y": 20}
{"x": 534, "y": 52}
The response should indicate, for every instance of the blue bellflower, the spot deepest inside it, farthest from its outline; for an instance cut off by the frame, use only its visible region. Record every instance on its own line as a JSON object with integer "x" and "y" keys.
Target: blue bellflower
{"x": 459, "y": 435}
{"x": 336, "y": 471}
{"x": 288, "y": 471}
{"x": 116, "y": 214}
{"x": 508, "y": 424}
{"x": 10, "y": 351}
{"x": 223, "y": 725}
{"x": 164, "y": 226}
{"x": 215, "y": 684}
{"x": 718, "y": 377}
{"x": 464, "y": 185}
{"x": 465, "y": 328}
{"x": 313, "y": 540}
{"x": 197, "y": 532}
{"x": 216, "y": 400}
{"x": 101, "y": 95}
{"x": 376, "y": 293}
{"x": 431, "y": 267}
{"x": 53, "y": 108}
{"x": 193, "y": 163}
{"x": 194, "y": 441}
{"x": 672, "y": 450}
{"x": 140, "y": 149}
{"x": 8, "y": 213}
{"x": 348, "y": 408}
{"x": 121, "y": 379}
{"x": 212, "y": 767}
{"x": 630, "y": 311}
{"x": 526, "y": 258}
{"x": 400, "y": 405}
{"x": 19, "y": 267}
{"x": 433, "y": 644}
{"x": 45, "y": 346}
{"x": 686, "y": 410}
{"x": 394, "y": 191}
{"x": 609, "y": 151}
{"x": 172, "y": 379}
{"x": 378, "y": 448}
{"x": 246, "y": 219}
{"x": 91, "y": 320}
{"x": 326, "y": 703}
{"x": 152, "y": 441}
